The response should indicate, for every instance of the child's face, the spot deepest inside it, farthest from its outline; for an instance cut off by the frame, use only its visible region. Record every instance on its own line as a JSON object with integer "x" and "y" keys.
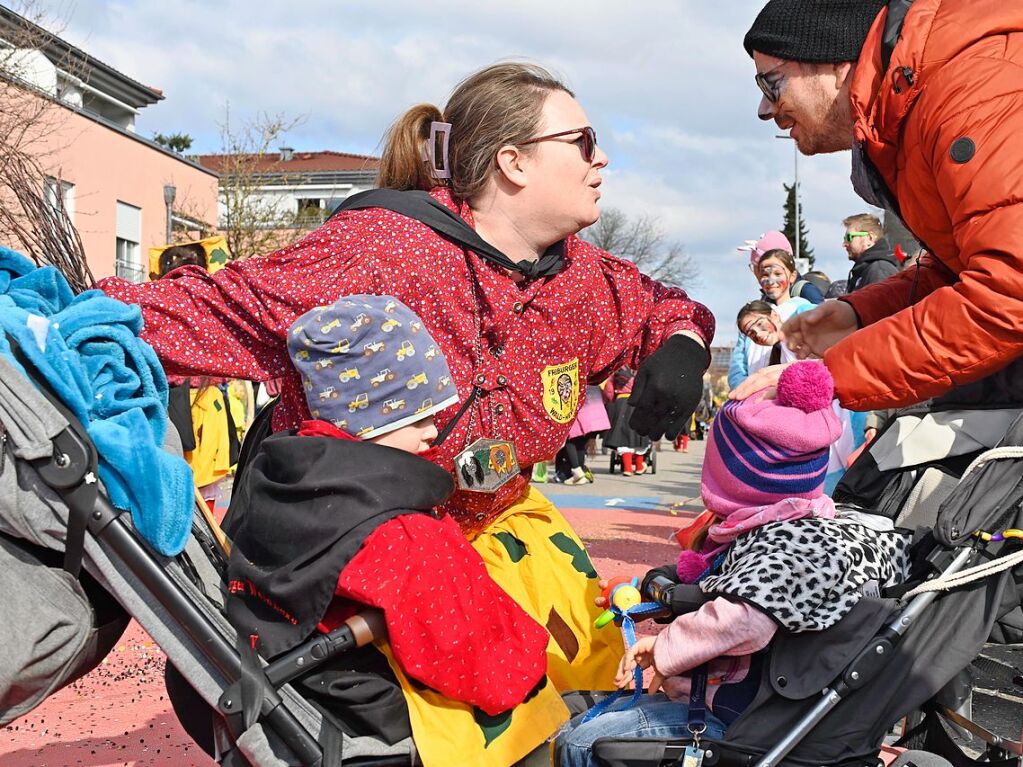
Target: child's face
{"x": 414, "y": 438}
{"x": 760, "y": 329}
{"x": 774, "y": 278}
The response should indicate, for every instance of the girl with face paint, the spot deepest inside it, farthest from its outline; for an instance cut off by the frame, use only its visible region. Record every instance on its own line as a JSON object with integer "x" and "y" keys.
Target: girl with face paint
{"x": 759, "y": 322}
{"x": 776, "y": 273}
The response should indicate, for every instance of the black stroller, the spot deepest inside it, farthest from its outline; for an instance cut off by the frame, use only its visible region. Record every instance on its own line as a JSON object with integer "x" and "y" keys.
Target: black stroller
{"x": 831, "y": 697}
{"x": 889, "y": 657}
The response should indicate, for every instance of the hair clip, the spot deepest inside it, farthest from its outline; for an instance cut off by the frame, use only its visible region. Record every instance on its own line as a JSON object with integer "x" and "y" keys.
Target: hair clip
{"x": 437, "y": 149}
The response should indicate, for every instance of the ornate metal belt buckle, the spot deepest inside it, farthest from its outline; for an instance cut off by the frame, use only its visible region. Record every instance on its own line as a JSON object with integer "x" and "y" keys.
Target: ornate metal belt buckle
{"x": 486, "y": 465}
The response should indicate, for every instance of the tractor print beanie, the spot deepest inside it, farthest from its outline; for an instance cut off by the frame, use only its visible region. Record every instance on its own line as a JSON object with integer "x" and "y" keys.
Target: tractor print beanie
{"x": 369, "y": 366}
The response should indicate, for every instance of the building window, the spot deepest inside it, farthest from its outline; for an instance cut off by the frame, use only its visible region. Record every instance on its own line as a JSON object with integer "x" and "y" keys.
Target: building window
{"x": 311, "y": 211}
{"x": 128, "y": 260}
{"x": 60, "y": 193}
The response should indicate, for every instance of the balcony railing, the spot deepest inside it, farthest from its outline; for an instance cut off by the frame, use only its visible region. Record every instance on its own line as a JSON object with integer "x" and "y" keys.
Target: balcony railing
{"x": 129, "y": 271}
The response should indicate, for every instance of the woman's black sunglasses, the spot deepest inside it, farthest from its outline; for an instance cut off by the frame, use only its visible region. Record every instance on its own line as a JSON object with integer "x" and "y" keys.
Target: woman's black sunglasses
{"x": 588, "y": 138}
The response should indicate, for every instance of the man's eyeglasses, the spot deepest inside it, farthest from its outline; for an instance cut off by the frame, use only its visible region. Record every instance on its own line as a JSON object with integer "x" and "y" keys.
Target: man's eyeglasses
{"x": 770, "y": 89}
{"x": 850, "y": 236}
{"x": 588, "y": 140}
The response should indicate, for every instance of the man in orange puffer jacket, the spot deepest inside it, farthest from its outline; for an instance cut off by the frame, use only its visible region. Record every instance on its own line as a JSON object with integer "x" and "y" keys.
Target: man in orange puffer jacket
{"x": 927, "y": 95}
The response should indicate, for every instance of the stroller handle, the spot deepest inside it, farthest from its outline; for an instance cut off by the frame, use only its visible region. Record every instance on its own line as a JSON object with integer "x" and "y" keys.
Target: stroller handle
{"x": 357, "y": 631}
{"x": 367, "y": 626}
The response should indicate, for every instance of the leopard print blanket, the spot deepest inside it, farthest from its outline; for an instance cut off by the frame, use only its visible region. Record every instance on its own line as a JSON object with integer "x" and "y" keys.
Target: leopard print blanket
{"x": 808, "y": 574}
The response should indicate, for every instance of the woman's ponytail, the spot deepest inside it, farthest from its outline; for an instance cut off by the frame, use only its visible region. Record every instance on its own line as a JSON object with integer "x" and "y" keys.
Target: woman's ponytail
{"x": 402, "y": 164}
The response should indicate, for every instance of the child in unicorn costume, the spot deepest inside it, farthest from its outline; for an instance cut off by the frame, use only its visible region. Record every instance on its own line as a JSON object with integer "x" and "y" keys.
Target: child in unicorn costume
{"x": 778, "y": 557}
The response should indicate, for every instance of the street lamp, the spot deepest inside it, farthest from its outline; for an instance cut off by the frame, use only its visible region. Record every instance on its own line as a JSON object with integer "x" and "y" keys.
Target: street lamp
{"x": 169, "y": 192}
{"x": 795, "y": 162}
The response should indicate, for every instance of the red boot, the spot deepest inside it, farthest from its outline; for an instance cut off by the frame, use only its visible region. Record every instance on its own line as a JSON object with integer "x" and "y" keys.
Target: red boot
{"x": 640, "y": 466}
{"x": 627, "y": 465}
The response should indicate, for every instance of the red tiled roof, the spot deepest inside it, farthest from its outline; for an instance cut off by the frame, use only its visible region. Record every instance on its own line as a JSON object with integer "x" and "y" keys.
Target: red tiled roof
{"x": 300, "y": 162}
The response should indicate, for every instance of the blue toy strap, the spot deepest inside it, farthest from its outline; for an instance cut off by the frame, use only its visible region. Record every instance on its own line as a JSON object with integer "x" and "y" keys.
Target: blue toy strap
{"x": 629, "y": 626}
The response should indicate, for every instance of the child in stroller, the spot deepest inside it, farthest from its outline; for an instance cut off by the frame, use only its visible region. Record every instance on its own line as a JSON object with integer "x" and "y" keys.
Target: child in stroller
{"x": 338, "y": 516}
{"x": 778, "y": 557}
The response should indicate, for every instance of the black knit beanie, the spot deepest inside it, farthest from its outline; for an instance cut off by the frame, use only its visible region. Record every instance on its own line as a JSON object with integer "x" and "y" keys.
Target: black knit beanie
{"x": 821, "y": 31}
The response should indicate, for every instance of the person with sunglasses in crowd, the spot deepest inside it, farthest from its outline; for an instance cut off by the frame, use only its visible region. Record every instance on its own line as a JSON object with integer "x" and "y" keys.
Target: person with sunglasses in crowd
{"x": 927, "y": 95}
{"x": 525, "y": 319}
{"x": 873, "y": 258}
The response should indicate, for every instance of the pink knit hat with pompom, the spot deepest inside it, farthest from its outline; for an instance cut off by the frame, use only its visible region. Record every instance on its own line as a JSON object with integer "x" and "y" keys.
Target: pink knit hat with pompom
{"x": 761, "y": 451}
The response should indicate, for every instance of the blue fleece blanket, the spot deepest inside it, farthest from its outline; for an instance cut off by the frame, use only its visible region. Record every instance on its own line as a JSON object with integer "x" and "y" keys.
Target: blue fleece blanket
{"x": 87, "y": 347}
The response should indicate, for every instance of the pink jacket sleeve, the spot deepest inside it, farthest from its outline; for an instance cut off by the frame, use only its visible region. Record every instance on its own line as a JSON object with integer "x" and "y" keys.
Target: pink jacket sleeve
{"x": 720, "y": 627}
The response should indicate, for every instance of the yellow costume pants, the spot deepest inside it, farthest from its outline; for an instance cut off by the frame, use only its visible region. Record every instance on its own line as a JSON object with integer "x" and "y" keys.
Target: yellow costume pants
{"x": 534, "y": 555}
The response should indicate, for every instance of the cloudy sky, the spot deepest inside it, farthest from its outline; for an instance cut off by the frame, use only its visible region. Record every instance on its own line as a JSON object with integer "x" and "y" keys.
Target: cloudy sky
{"x": 666, "y": 84}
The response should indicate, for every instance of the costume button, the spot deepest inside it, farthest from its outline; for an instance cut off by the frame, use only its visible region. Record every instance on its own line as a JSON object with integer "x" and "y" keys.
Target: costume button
{"x": 499, "y": 408}
{"x": 496, "y": 352}
{"x": 518, "y": 307}
{"x": 481, "y": 379}
{"x": 501, "y": 380}
{"x": 480, "y": 516}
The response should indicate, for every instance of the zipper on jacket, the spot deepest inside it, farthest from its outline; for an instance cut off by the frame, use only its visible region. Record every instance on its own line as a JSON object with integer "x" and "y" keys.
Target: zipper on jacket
{"x": 907, "y": 75}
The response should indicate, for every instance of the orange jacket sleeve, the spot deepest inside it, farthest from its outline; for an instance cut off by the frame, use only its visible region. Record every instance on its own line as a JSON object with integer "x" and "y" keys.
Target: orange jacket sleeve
{"x": 957, "y": 333}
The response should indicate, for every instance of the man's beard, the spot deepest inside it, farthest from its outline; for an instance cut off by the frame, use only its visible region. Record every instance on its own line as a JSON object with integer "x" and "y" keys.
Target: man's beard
{"x": 834, "y": 131}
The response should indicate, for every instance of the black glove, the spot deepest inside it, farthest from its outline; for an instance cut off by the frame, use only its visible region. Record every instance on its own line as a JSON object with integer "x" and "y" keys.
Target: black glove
{"x": 668, "y": 387}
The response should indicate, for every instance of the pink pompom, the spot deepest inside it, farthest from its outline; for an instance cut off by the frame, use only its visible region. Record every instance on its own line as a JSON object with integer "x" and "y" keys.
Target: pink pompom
{"x": 807, "y": 386}
{"x": 691, "y": 565}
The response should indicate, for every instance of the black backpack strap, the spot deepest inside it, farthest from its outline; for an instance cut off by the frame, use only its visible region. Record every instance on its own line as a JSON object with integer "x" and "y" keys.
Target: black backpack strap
{"x": 897, "y": 10}
{"x": 422, "y": 207}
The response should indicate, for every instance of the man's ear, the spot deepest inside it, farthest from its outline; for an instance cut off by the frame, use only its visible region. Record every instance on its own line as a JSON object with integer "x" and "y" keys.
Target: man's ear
{"x": 511, "y": 165}
{"x": 844, "y": 71}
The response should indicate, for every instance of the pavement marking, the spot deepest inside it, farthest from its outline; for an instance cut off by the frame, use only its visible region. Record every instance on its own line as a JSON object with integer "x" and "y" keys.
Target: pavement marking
{"x": 632, "y": 503}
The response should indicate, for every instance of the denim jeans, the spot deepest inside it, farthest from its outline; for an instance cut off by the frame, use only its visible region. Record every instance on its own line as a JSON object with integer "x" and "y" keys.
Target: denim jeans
{"x": 655, "y": 717}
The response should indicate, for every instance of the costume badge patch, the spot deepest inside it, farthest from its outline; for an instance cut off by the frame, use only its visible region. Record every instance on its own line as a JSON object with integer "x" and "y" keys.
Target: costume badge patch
{"x": 561, "y": 390}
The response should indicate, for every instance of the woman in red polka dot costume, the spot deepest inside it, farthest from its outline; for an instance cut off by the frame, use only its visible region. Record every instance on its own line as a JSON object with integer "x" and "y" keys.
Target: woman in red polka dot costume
{"x": 525, "y": 173}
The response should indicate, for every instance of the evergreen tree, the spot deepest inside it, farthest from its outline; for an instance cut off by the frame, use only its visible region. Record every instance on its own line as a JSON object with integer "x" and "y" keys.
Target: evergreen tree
{"x": 176, "y": 142}
{"x": 789, "y": 229}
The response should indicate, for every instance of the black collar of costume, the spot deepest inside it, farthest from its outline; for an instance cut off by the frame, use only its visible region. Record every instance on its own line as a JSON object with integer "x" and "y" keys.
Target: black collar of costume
{"x": 422, "y": 207}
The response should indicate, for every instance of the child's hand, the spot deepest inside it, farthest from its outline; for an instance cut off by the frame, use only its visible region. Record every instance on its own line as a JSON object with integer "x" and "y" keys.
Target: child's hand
{"x": 600, "y": 601}
{"x": 641, "y": 654}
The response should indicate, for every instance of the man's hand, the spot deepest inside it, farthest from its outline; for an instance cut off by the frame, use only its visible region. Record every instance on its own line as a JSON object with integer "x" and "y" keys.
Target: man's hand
{"x": 812, "y": 333}
{"x": 765, "y": 378}
{"x": 642, "y": 654}
{"x": 668, "y": 388}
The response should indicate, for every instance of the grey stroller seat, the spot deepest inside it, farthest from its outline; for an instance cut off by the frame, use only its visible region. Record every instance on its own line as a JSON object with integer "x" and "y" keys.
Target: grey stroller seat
{"x": 47, "y": 461}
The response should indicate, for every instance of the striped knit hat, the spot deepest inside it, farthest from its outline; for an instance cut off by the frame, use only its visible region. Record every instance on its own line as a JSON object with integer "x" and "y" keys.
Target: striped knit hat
{"x": 761, "y": 451}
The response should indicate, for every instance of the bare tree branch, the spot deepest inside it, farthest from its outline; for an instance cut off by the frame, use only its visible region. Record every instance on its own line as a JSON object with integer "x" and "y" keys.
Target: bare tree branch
{"x": 38, "y": 220}
{"x": 254, "y": 222}
{"x": 642, "y": 241}
{"x": 33, "y": 215}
